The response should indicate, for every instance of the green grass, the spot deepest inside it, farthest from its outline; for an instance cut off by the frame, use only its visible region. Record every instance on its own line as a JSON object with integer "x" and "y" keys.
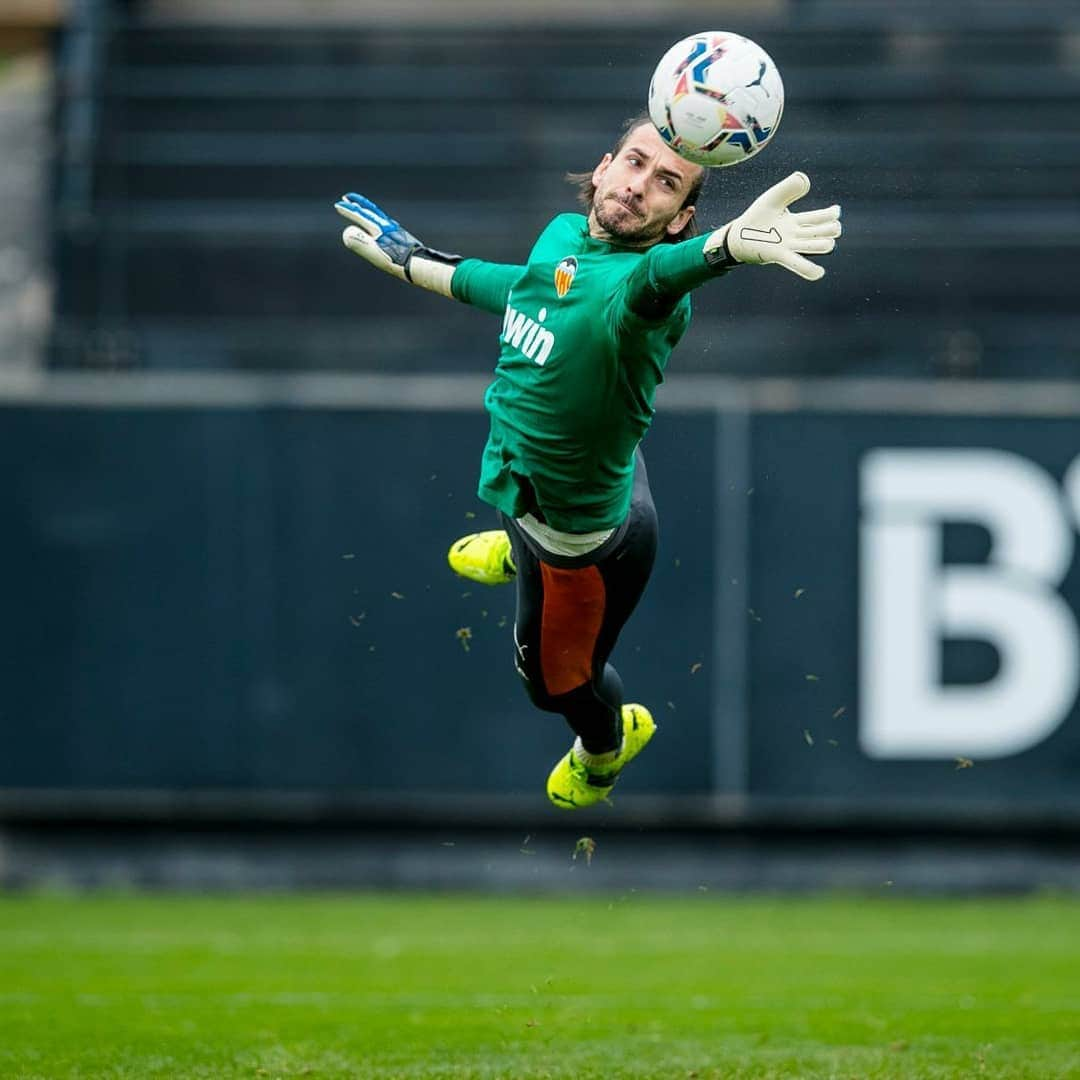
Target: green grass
{"x": 378, "y": 986}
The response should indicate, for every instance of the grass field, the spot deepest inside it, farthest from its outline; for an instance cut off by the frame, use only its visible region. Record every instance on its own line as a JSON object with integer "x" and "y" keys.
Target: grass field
{"x": 624, "y": 986}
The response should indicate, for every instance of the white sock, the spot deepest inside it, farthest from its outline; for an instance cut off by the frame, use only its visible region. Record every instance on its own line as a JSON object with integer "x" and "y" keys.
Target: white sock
{"x": 594, "y": 761}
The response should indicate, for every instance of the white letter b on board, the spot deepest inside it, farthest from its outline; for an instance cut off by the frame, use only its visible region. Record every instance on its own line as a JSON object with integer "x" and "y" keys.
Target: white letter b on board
{"x": 910, "y": 601}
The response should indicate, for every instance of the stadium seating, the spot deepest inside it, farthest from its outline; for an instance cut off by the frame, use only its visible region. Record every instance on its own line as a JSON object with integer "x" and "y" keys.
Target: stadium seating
{"x": 209, "y": 239}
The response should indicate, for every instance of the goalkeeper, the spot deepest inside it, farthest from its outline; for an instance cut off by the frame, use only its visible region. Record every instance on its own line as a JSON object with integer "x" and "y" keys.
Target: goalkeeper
{"x": 588, "y": 325}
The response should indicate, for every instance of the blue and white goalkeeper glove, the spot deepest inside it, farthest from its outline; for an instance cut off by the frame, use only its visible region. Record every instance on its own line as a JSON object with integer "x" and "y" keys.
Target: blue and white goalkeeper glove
{"x": 767, "y": 232}
{"x": 388, "y": 245}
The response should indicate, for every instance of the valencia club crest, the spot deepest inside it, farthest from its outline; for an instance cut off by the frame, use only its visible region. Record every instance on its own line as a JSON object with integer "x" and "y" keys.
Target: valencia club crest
{"x": 564, "y": 275}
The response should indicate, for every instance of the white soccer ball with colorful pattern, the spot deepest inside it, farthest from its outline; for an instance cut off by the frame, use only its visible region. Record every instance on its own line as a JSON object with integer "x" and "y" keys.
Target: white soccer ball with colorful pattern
{"x": 716, "y": 98}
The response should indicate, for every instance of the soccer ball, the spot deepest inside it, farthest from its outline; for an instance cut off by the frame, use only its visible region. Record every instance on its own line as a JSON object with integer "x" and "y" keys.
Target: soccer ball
{"x": 716, "y": 98}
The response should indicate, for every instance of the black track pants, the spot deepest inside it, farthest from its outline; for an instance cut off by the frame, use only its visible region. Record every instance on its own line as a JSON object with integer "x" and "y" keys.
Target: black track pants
{"x": 570, "y": 612}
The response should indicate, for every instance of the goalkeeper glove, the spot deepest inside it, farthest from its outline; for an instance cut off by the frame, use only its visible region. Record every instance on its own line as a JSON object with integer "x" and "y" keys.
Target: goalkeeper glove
{"x": 385, "y": 243}
{"x": 767, "y": 232}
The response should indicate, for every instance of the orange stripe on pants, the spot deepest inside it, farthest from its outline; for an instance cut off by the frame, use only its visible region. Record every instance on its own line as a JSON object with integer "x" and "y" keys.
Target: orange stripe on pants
{"x": 569, "y": 626}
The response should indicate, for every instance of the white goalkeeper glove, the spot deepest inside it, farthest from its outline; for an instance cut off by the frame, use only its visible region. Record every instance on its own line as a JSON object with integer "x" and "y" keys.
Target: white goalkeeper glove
{"x": 388, "y": 245}
{"x": 767, "y": 232}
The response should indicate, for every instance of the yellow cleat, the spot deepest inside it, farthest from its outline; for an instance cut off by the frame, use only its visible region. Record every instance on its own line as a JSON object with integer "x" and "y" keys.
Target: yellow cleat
{"x": 484, "y": 557}
{"x": 572, "y": 785}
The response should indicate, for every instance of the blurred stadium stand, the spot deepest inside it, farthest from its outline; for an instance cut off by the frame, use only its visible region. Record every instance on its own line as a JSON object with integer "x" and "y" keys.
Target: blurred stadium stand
{"x": 200, "y": 153}
{"x": 25, "y": 95}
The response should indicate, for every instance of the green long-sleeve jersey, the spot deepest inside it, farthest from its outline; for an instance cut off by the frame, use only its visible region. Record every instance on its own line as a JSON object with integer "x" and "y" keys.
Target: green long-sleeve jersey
{"x": 578, "y": 367}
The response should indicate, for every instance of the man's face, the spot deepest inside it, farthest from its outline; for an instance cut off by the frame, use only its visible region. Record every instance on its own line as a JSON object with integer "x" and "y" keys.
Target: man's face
{"x": 640, "y": 191}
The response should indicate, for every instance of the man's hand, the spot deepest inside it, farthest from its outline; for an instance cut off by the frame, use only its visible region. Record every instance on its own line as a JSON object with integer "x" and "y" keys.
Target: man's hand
{"x": 767, "y": 232}
{"x": 388, "y": 245}
{"x": 376, "y": 236}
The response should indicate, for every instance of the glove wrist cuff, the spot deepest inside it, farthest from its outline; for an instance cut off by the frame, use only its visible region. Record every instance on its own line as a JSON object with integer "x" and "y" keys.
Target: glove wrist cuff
{"x": 718, "y": 255}
{"x": 431, "y": 270}
{"x": 430, "y": 255}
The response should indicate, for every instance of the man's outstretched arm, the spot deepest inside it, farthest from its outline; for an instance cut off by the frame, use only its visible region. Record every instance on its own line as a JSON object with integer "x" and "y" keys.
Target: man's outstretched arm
{"x": 389, "y": 246}
{"x": 765, "y": 233}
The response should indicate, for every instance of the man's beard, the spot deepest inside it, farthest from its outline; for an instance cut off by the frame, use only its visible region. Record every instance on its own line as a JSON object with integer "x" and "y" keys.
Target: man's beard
{"x": 629, "y": 228}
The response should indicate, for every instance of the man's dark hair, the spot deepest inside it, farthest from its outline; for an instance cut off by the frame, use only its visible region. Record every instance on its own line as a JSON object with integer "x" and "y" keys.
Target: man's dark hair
{"x": 583, "y": 182}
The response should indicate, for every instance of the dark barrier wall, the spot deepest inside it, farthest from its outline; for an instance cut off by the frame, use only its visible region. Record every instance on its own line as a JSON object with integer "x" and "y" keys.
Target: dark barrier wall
{"x": 217, "y": 598}
{"x": 852, "y": 613}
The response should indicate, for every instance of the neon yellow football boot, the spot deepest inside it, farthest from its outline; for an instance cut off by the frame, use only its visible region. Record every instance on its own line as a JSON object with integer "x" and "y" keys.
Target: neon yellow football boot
{"x": 484, "y": 557}
{"x": 572, "y": 785}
